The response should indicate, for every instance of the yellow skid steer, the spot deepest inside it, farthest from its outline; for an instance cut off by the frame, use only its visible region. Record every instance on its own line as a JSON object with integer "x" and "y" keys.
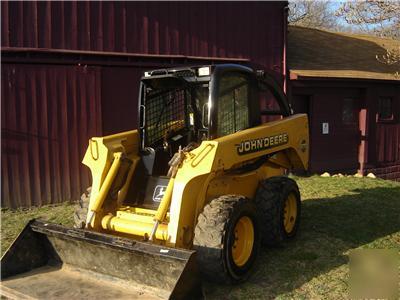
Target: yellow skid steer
{"x": 191, "y": 194}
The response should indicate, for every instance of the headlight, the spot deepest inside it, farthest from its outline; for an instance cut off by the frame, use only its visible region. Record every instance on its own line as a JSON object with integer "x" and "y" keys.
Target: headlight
{"x": 204, "y": 71}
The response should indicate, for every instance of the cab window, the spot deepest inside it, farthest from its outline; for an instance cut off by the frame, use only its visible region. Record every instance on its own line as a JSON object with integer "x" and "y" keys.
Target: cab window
{"x": 233, "y": 108}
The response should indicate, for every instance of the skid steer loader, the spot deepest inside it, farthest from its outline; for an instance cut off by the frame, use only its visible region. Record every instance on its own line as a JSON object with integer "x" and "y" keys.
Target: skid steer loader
{"x": 192, "y": 193}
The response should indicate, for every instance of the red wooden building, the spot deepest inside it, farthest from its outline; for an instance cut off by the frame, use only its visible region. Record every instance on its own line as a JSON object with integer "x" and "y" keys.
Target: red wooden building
{"x": 70, "y": 70}
{"x": 352, "y": 99}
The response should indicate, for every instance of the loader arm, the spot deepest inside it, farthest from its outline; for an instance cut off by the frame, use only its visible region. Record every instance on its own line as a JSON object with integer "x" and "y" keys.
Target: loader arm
{"x": 111, "y": 159}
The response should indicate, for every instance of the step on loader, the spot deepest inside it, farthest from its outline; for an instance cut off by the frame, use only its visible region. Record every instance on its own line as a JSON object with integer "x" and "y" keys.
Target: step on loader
{"x": 190, "y": 195}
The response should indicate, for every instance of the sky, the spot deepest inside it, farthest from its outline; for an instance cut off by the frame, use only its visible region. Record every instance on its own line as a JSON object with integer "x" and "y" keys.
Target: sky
{"x": 341, "y": 21}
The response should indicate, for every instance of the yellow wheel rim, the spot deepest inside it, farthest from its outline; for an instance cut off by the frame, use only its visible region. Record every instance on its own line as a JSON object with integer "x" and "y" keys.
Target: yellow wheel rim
{"x": 290, "y": 213}
{"x": 244, "y": 240}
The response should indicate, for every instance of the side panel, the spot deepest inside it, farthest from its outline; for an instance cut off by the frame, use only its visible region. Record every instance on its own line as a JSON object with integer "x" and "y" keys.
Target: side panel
{"x": 289, "y": 134}
{"x": 241, "y": 184}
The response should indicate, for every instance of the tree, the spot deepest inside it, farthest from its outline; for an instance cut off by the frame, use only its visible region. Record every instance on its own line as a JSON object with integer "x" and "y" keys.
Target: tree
{"x": 381, "y": 18}
{"x": 312, "y": 13}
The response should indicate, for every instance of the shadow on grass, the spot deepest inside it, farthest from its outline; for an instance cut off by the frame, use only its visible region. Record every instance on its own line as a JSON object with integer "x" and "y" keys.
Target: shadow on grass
{"x": 329, "y": 229}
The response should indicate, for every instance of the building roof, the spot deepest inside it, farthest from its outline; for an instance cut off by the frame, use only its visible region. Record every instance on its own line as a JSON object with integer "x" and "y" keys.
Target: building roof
{"x": 315, "y": 53}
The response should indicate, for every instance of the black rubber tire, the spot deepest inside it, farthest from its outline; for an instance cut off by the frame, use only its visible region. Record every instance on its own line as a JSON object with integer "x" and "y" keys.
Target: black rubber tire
{"x": 270, "y": 200}
{"x": 81, "y": 209}
{"x": 214, "y": 237}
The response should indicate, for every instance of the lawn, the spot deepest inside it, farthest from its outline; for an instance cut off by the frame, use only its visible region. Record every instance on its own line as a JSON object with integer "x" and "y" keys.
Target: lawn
{"x": 12, "y": 222}
{"x": 338, "y": 215}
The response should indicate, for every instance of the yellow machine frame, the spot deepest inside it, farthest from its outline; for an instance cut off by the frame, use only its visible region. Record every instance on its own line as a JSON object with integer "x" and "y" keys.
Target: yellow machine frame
{"x": 205, "y": 173}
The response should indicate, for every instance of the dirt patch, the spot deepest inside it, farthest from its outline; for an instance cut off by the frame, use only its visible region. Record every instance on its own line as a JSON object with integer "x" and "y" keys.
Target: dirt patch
{"x": 71, "y": 283}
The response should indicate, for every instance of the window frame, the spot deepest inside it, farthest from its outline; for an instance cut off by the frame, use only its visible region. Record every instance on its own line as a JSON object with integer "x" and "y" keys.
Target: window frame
{"x": 221, "y": 93}
{"x": 378, "y": 113}
{"x": 354, "y": 117}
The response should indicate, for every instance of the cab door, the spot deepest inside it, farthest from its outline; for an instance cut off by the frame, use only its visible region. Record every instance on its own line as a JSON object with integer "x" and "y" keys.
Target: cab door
{"x": 235, "y": 95}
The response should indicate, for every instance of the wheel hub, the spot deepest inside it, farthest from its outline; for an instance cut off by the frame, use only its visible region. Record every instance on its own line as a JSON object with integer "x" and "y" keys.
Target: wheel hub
{"x": 244, "y": 240}
{"x": 290, "y": 213}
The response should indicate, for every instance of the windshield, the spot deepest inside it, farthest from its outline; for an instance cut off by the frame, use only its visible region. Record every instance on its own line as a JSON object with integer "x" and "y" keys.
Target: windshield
{"x": 173, "y": 114}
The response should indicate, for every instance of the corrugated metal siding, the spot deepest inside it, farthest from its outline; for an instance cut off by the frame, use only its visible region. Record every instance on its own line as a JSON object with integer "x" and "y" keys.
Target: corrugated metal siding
{"x": 48, "y": 114}
{"x": 215, "y": 29}
{"x": 388, "y": 143}
{"x": 49, "y": 111}
{"x": 119, "y": 91}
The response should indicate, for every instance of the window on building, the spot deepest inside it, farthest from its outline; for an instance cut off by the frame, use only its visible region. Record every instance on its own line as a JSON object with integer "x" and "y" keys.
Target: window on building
{"x": 385, "y": 109}
{"x": 348, "y": 113}
{"x": 268, "y": 105}
{"x": 233, "y": 110}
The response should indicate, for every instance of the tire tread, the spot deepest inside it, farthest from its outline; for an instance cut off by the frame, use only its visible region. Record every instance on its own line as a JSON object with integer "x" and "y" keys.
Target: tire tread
{"x": 269, "y": 199}
{"x": 210, "y": 235}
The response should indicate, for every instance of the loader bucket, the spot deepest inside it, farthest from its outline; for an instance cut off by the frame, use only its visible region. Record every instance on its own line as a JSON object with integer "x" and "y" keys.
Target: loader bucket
{"x": 49, "y": 261}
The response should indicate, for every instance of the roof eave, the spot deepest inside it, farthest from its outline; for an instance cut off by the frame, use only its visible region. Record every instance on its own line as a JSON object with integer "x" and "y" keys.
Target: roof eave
{"x": 298, "y": 77}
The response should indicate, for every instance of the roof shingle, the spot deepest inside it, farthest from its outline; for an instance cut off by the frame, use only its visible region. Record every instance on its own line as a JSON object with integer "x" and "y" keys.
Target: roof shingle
{"x": 319, "y": 53}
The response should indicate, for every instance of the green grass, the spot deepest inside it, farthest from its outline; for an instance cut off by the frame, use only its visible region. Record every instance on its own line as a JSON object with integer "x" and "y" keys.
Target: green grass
{"x": 338, "y": 215}
{"x": 12, "y": 222}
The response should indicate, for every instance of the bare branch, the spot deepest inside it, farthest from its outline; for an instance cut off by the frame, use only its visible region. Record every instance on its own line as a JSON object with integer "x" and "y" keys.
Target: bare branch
{"x": 312, "y": 13}
{"x": 381, "y": 18}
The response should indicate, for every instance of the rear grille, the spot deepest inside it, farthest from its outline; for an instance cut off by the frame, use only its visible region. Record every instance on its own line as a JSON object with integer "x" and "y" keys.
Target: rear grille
{"x": 184, "y": 73}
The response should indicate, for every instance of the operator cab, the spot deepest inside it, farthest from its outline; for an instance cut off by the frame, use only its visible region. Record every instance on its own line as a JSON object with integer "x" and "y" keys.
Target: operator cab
{"x": 181, "y": 107}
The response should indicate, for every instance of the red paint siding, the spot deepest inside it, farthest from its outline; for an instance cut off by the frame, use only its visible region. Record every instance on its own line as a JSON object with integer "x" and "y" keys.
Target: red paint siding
{"x": 388, "y": 143}
{"x": 49, "y": 111}
{"x": 337, "y": 150}
{"x": 119, "y": 92}
{"x": 390, "y": 171}
{"x": 251, "y": 30}
{"x": 366, "y": 145}
{"x": 48, "y": 114}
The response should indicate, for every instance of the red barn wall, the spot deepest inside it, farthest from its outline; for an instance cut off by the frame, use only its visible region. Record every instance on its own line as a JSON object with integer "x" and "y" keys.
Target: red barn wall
{"x": 119, "y": 90}
{"x": 338, "y": 148}
{"x": 251, "y": 30}
{"x": 350, "y": 147}
{"x": 48, "y": 114}
{"x": 65, "y": 102}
